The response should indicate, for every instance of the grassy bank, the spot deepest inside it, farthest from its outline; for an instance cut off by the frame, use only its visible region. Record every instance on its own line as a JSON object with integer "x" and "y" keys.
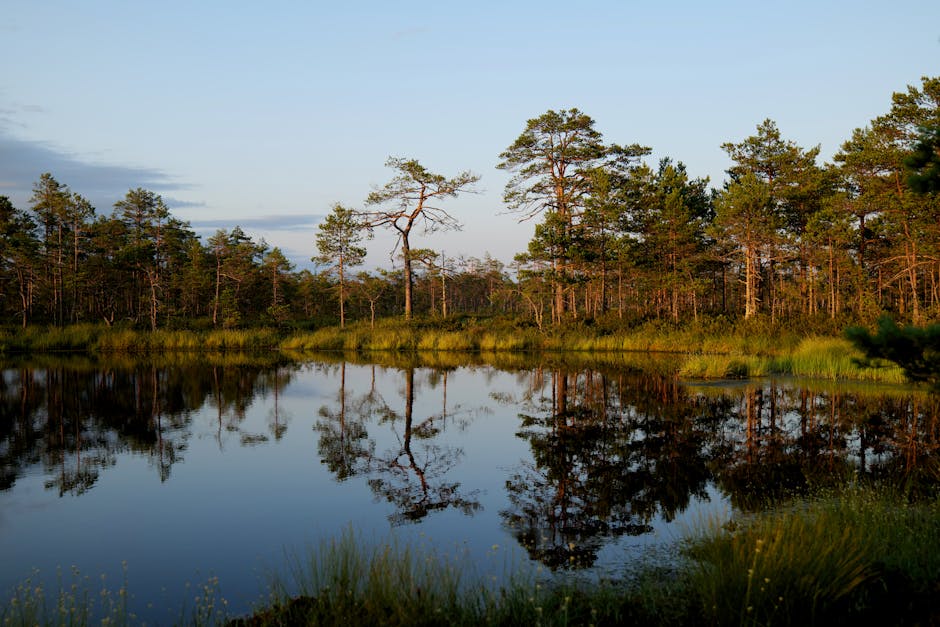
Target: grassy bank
{"x": 506, "y": 334}
{"x": 816, "y": 357}
{"x": 104, "y": 339}
{"x": 859, "y": 556}
{"x": 712, "y": 349}
{"x": 709, "y": 351}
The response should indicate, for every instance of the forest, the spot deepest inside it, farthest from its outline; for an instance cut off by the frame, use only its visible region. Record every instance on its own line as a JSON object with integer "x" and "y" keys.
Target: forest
{"x": 617, "y": 239}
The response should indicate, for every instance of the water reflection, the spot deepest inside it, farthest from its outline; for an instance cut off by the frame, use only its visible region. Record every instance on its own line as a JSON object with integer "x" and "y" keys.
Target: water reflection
{"x": 415, "y": 473}
{"x": 603, "y": 451}
{"x": 778, "y": 439}
{"x": 75, "y": 418}
{"x": 609, "y": 454}
{"x": 613, "y": 451}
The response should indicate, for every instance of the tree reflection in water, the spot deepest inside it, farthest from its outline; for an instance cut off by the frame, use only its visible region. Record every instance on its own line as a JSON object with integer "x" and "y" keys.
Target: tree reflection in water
{"x": 343, "y": 441}
{"x": 608, "y": 454}
{"x": 613, "y": 452}
{"x": 780, "y": 440}
{"x": 413, "y": 475}
{"x": 74, "y": 417}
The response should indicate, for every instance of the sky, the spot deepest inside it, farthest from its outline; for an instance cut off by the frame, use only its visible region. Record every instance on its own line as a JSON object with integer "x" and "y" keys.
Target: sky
{"x": 265, "y": 114}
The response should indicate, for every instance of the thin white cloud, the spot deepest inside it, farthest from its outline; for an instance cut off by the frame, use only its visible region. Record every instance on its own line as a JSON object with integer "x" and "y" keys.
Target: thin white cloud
{"x": 264, "y": 223}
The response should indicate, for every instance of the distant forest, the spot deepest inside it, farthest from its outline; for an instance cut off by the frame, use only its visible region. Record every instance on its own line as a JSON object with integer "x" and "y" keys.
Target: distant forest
{"x": 615, "y": 238}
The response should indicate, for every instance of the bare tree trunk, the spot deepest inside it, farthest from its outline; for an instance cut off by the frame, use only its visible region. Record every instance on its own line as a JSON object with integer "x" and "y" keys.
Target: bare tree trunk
{"x": 406, "y": 252}
{"x": 750, "y": 283}
{"x": 218, "y": 282}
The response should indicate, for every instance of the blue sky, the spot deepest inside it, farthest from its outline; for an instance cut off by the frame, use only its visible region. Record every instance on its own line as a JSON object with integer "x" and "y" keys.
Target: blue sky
{"x": 263, "y": 114}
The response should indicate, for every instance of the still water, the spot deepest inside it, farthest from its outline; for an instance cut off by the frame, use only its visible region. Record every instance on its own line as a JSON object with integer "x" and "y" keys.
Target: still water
{"x": 169, "y": 473}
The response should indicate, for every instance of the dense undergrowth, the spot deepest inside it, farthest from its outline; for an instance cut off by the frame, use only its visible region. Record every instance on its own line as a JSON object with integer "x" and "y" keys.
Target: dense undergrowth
{"x": 848, "y": 557}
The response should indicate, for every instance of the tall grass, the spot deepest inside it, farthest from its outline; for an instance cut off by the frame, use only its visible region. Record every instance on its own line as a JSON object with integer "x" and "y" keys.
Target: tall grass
{"x": 76, "y": 600}
{"x": 836, "y": 358}
{"x": 48, "y": 339}
{"x": 103, "y": 339}
{"x": 814, "y": 357}
{"x": 384, "y": 585}
{"x": 860, "y": 552}
{"x": 788, "y": 569}
{"x": 346, "y": 583}
{"x": 396, "y": 335}
{"x": 724, "y": 367}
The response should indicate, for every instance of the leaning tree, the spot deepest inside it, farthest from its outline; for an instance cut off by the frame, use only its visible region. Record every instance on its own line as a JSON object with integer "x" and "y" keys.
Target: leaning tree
{"x": 409, "y": 199}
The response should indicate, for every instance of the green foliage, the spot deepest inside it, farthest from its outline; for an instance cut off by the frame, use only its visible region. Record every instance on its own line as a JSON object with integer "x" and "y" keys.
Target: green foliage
{"x": 915, "y": 349}
{"x": 552, "y": 160}
{"x": 338, "y": 238}
{"x": 924, "y": 163}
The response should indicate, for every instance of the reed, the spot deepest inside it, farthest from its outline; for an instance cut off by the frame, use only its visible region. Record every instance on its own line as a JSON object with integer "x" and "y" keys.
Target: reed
{"x": 49, "y": 339}
{"x": 241, "y": 339}
{"x": 77, "y": 600}
{"x": 836, "y": 358}
{"x": 814, "y": 357}
{"x": 343, "y": 582}
{"x": 447, "y": 341}
{"x": 857, "y": 552}
{"x": 719, "y": 367}
{"x": 788, "y": 569}
{"x": 122, "y": 341}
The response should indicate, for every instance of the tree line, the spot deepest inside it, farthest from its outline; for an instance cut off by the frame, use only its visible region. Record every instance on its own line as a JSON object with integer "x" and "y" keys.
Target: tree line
{"x": 784, "y": 237}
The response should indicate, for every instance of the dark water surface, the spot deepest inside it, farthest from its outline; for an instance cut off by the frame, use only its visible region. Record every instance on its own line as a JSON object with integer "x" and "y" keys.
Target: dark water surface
{"x": 180, "y": 470}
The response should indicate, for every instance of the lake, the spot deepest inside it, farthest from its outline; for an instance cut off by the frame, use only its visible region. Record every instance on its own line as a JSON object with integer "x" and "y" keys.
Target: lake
{"x": 172, "y": 471}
